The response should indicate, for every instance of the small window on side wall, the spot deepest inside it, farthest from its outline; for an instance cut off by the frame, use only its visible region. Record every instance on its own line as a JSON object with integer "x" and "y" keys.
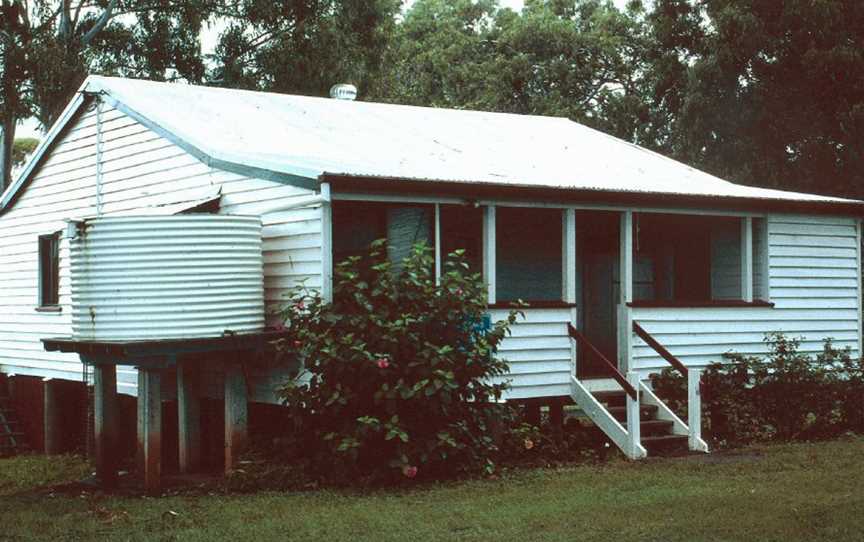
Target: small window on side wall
{"x": 49, "y": 270}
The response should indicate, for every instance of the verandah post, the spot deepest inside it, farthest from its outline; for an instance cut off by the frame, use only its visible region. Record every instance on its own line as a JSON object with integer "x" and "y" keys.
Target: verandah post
{"x": 625, "y": 278}
{"x": 694, "y": 410}
{"x": 747, "y": 259}
{"x": 634, "y": 437}
{"x": 489, "y": 257}
{"x": 569, "y": 283}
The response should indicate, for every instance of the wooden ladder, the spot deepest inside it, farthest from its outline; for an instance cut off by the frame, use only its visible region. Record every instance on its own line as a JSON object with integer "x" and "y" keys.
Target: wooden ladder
{"x": 11, "y": 438}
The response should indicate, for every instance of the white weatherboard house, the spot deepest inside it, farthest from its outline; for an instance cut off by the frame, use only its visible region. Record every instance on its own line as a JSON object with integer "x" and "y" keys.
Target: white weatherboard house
{"x": 628, "y": 259}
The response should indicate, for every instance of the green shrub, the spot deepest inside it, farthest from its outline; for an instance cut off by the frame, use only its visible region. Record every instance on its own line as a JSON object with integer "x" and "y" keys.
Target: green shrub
{"x": 786, "y": 396}
{"x": 401, "y": 377}
{"x": 526, "y": 445}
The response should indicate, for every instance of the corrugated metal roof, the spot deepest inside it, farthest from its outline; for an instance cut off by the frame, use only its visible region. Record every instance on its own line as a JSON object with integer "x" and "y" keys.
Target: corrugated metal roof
{"x": 303, "y": 137}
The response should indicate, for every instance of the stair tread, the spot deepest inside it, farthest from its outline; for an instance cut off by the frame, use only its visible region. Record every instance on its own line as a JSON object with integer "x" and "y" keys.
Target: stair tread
{"x": 643, "y": 407}
{"x": 664, "y": 438}
{"x": 654, "y": 423}
{"x": 610, "y": 394}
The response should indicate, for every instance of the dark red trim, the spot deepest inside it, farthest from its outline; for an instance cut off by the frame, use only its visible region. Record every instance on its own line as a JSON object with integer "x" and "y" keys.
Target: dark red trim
{"x": 475, "y": 190}
{"x": 694, "y": 304}
{"x": 533, "y": 305}
{"x": 121, "y": 352}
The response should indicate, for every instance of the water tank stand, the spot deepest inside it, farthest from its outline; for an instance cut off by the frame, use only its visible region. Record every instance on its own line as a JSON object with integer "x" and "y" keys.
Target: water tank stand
{"x": 152, "y": 358}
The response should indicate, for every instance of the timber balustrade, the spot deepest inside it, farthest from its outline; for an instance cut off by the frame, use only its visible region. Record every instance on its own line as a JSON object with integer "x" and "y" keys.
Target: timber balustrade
{"x": 616, "y": 374}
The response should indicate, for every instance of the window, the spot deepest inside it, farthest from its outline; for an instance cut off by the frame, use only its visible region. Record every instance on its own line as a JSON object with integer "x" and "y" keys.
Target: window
{"x": 528, "y": 254}
{"x": 357, "y": 224}
{"x": 49, "y": 270}
{"x": 688, "y": 258}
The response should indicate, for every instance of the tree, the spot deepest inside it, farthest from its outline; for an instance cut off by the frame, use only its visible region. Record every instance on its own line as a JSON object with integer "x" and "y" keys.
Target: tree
{"x": 49, "y": 47}
{"x": 304, "y": 46}
{"x": 766, "y": 93}
{"x": 15, "y": 36}
{"x": 577, "y": 59}
{"x": 22, "y": 149}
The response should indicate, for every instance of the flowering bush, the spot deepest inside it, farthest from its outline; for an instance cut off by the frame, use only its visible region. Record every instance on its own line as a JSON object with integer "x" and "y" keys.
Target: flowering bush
{"x": 787, "y": 396}
{"x": 401, "y": 377}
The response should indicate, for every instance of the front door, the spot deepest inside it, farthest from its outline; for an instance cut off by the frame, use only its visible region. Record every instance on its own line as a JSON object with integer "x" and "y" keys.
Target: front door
{"x": 600, "y": 313}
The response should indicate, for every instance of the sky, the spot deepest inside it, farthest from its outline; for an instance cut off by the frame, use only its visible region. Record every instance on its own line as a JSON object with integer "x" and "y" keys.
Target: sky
{"x": 30, "y": 128}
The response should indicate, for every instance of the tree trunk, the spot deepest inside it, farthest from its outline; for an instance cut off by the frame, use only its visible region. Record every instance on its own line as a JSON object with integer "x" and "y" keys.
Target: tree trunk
{"x": 8, "y": 130}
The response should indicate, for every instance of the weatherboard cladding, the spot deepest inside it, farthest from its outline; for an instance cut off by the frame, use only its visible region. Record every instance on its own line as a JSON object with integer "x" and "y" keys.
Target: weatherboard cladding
{"x": 814, "y": 283}
{"x": 538, "y": 352}
{"x": 142, "y": 171}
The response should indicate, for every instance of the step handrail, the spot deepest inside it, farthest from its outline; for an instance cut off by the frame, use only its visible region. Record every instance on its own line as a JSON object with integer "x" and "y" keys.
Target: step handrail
{"x": 694, "y": 394}
{"x": 616, "y": 374}
{"x": 659, "y": 348}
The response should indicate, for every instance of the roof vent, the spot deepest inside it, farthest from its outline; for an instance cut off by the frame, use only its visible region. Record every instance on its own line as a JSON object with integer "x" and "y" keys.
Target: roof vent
{"x": 343, "y": 91}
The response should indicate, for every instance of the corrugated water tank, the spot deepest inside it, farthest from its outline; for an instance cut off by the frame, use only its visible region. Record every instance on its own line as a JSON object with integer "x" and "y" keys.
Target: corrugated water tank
{"x": 166, "y": 277}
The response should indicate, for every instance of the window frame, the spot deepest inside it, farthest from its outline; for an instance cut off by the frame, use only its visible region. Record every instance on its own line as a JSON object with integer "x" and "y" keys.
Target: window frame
{"x": 556, "y": 299}
{"x": 751, "y": 262}
{"x": 49, "y": 272}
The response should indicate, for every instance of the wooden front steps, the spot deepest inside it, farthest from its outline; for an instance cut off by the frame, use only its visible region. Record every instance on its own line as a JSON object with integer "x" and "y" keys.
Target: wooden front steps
{"x": 656, "y": 435}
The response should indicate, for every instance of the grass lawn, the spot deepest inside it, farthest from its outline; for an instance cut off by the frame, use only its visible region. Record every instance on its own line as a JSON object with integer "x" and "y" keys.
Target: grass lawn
{"x": 783, "y": 492}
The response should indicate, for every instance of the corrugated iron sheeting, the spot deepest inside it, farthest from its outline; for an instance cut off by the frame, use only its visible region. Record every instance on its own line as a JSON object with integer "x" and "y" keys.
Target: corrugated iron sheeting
{"x": 307, "y": 136}
{"x": 167, "y": 277}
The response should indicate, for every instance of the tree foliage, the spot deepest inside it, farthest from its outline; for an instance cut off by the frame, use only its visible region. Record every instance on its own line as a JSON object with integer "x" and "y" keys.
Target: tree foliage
{"x": 403, "y": 377}
{"x": 303, "y": 46}
{"x": 47, "y": 48}
{"x": 22, "y": 149}
{"x": 765, "y": 93}
{"x": 581, "y": 60}
{"x": 768, "y": 93}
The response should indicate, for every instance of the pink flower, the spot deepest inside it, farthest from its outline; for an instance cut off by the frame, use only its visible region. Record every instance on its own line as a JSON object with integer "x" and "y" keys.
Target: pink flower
{"x": 458, "y": 291}
{"x": 300, "y": 305}
{"x": 297, "y": 344}
{"x": 410, "y": 471}
{"x": 382, "y": 363}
